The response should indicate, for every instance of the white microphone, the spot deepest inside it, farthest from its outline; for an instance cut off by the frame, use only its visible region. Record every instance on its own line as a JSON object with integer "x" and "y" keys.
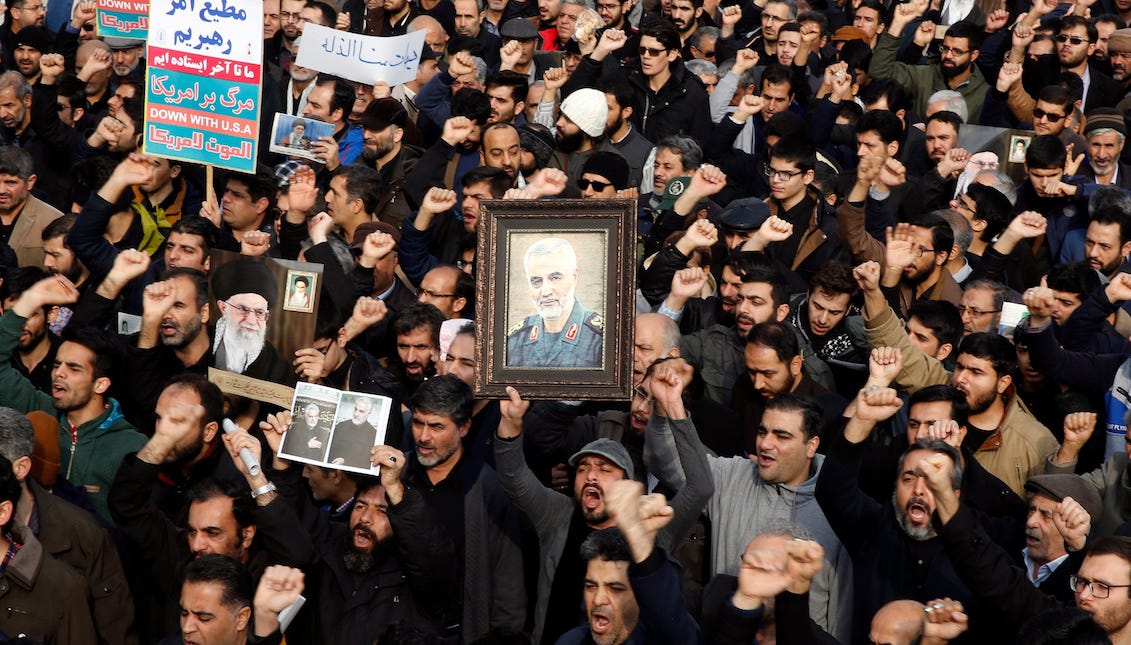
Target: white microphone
{"x": 248, "y": 458}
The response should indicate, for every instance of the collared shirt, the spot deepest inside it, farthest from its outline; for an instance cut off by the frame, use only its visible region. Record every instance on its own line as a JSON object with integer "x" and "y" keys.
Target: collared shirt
{"x": 1044, "y": 571}
{"x": 963, "y": 273}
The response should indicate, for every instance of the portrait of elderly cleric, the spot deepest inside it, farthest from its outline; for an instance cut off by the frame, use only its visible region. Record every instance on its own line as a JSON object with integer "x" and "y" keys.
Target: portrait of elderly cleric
{"x": 246, "y": 292}
{"x": 561, "y": 331}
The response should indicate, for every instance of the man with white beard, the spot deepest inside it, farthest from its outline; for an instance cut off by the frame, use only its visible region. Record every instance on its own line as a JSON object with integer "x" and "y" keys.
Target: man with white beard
{"x": 563, "y": 333}
{"x": 245, "y": 291}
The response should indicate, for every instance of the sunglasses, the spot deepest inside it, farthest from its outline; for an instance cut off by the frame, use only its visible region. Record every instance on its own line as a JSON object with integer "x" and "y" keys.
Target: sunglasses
{"x": 88, "y": 26}
{"x": 1075, "y": 40}
{"x": 1038, "y": 113}
{"x": 598, "y": 186}
{"x": 651, "y": 51}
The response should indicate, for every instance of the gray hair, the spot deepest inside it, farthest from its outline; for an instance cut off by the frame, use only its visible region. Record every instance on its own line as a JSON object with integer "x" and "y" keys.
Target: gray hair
{"x": 690, "y": 154}
{"x": 963, "y": 232}
{"x": 784, "y": 528}
{"x": 1002, "y": 183}
{"x": 701, "y": 34}
{"x": 16, "y": 161}
{"x": 480, "y": 69}
{"x": 549, "y": 246}
{"x": 699, "y": 66}
{"x": 580, "y": 3}
{"x": 1108, "y": 199}
{"x": 17, "y": 436}
{"x": 310, "y": 407}
{"x": 951, "y": 102}
{"x": 998, "y": 289}
{"x": 749, "y": 77}
{"x": 16, "y": 82}
{"x": 1099, "y": 131}
{"x": 669, "y": 330}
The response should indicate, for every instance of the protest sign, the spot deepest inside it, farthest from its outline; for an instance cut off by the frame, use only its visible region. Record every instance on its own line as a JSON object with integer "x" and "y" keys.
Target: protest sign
{"x": 335, "y": 429}
{"x": 122, "y": 19}
{"x": 202, "y": 84}
{"x": 364, "y": 59}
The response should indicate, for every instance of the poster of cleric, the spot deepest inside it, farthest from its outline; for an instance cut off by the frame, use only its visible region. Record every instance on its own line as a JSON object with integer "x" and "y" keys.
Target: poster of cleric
{"x": 258, "y": 322}
{"x": 335, "y": 429}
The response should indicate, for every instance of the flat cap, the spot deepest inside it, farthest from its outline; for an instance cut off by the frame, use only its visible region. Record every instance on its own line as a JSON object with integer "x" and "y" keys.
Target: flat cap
{"x": 1120, "y": 41}
{"x": 518, "y": 29}
{"x": 614, "y": 451}
{"x": 1105, "y": 118}
{"x": 116, "y": 43}
{"x": 744, "y": 215}
{"x": 848, "y": 32}
{"x": 1068, "y": 485}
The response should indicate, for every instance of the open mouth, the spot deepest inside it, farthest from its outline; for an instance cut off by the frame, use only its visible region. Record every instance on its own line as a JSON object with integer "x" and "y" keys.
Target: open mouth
{"x": 600, "y": 624}
{"x": 591, "y": 497}
{"x": 918, "y": 513}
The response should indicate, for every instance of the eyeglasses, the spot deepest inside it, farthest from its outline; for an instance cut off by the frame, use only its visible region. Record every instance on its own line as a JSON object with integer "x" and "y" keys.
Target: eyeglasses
{"x": 768, "y": 17}
{"x": 954, "y": 51}
{"x": 598, "y": 186}
{"x": 260, "y": 314}
{"x": 32, "y": 8}
{"x": 1098, "y": 590}
{"x": 1075, "y": 40}
{"x": 651, "y": 51}
{"x": 962, "y": 311}
{"x": 433, "y": 294}
{"x": 1038, "y": 113}
{"x": 59, "y": 107}
{"x": 289, "y": 16}
{"x": 639, "y": 393}
{"x": 781, "y": 175}
{"x": 461, "y": 264}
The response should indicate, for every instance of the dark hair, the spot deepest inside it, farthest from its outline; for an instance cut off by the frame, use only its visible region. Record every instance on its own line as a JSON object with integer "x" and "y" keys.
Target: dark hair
{"x": 896, "y": 95}
{"x": 948, "y": 117}
{"x": 993, "y": 208}
{"x": 473, "y": 104}
{"x": 790, "y": 26}
{"x": 968, "y": 30}
{"x": 858, "y": 56}
{"x": 198, "y": 278}
{"x": 96, "y": 341}
{"x": 941, "y": 317}
{"x": 344, "y": 94}
{"x": 364, "y": 183}
{"x": 941, "y": 447}
{"x": 776, "y": 74}
{"x": 942, "y": 235}
{"x": 811, "y": 414}
{"x": 9, "y": 489}
{"x": 795, "y": 150}
{"x": 768, "y": 274}
{"x": 261, "y": 185}
{"x": 1077, "y": 278}
{"x": 211, "y": 398}
{"x": 135, "y": 109}
{"x": 876, "y": 6}
{"x": 446, "y": 396}
{"x": 20, "y": 280}
{"x": 415, "y": 316}
{"x": 996, "y": 349}
{"x": 59, "y": 228}
{"x": 498, "y": 179}
{"x": 1118, "y": 546}
{"x": 509, "y": 78}
{"x": 884, "y": 123}
{"x": 362, "y": 483}
{"x": 243, "y": 508}
{"x": 1057, "y": 95}
{"x": 17, "y": 162}
{"x": 1072, "y": 21}
{"x": 71, "y": 88}
{"x": 329, "y": 14}
{"x": 662, "y": 30}
{"x": 786, "y": 125}
{"x": 1046, "y": 152}
{"x": 607, "y": 544}
{"x": 1062, "y": 626}
{"x": 817, "y": 17}
{"x": 617, "y": 84}
{"x": 465, "y": 288}
{"x": 232, "y": 576}
{"x": 959, "y": 409}
{"x": 196, "y": 225}
{"x": 834, "y": 278}
{"x": 776, "y": 336}
{"x": 1108, "y": 217}
{"x": 690, "y": 154}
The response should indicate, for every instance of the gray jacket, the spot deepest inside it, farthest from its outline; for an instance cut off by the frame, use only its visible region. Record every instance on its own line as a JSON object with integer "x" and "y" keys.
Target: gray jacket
{"x": 1113, "y": 481}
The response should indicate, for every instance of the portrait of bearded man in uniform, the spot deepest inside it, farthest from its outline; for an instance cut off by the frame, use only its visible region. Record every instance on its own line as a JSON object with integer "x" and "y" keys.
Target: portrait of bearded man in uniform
{"x": 563, "y": 332}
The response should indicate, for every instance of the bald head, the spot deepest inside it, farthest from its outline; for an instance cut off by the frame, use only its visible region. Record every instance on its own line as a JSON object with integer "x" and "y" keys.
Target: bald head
{"x": 655, "y": 336}
{"x": 88, "y": 48}
{"x": 899, "y": 622}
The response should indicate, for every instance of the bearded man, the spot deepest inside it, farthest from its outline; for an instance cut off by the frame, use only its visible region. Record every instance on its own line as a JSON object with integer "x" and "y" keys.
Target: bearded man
{"x": 245, "y": 291}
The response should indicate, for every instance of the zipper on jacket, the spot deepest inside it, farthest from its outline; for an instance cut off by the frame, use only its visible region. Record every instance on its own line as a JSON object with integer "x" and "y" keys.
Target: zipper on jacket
{"x": 71, "y": 463}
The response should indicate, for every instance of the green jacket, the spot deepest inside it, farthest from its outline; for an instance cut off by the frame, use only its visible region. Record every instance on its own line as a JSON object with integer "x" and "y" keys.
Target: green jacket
{"x": 93, "y": 459}
{"x": 924, "y": 80}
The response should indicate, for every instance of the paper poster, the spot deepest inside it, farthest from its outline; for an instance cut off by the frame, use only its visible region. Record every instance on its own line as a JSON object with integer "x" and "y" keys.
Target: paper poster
{"x": 122, "y": 19}
{"x": 202, "y": 95}
{"x": 335, "y": 429}
{"x": 364, "y": 59}
{"x": 294, "y": 136}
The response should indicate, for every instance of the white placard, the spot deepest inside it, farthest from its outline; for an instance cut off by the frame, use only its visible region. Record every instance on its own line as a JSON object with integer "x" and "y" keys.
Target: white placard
{"x": 364, "y": 59}
{"x": 324, "y": 430}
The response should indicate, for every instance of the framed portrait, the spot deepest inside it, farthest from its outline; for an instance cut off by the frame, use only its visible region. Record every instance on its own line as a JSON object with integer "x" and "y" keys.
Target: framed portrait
{"x": 555, "y": 298}
{"x": 301, "y": 288}
{"x": 1018, "y": 146}
{"x": 294, "y": 135}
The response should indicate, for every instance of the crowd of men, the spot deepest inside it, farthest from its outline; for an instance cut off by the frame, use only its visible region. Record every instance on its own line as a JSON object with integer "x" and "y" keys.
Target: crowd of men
{"x": 880, "y": 357}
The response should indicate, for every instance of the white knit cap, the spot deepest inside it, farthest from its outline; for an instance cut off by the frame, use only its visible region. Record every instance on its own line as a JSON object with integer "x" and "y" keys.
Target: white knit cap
{"x": 587, "y": 108}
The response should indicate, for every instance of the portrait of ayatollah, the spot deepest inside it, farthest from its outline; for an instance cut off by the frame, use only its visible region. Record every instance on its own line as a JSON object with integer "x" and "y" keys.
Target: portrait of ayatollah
{"x": 245, "y": 291}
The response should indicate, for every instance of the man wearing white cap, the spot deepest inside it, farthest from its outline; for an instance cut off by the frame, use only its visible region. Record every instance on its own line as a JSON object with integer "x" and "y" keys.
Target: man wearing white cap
{"x": 581, "y": 129}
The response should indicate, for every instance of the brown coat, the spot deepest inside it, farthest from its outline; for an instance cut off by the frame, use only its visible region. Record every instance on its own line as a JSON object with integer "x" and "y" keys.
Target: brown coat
{"x": 45, "y": 599}
{"x": 1020, "y": 445}
{"x": 27, "y": 234}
